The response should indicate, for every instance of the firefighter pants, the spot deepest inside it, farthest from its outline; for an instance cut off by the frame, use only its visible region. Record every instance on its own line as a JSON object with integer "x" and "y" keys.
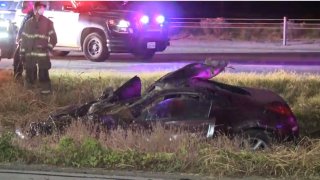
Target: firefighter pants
{"x": 37, "y": 67}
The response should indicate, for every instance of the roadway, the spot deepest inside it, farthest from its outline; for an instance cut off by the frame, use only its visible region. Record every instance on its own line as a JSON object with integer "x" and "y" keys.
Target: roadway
{"x": 169, "y": 62}
{"x": 302, "y": 57}
{"x": 44, "y": 172}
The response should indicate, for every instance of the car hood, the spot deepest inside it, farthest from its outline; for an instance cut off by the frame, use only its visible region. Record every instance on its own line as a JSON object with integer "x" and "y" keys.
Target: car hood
{"x": 184, "y": 75}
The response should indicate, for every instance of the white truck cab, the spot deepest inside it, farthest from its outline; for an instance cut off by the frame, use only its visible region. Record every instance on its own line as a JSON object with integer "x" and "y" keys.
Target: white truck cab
{"x": 100, "y": 28}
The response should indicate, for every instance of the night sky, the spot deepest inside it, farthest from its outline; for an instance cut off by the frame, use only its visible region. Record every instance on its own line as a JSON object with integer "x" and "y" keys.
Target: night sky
{"x": 238, "y": 9}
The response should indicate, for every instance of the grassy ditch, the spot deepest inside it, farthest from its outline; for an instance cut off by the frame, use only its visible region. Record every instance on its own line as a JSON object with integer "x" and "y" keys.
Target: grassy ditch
{"x": 82, "y": 147}
{"x": 190, "y": 154}
{"x": 19, "y": 106}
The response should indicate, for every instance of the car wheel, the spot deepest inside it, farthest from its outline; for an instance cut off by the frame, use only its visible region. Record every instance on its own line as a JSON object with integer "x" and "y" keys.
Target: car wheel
{"x": 95, "y": 48}
{"x": 147, "y": 55}
{"x": 257, "y": 139}
{"x": 60, "y": 53}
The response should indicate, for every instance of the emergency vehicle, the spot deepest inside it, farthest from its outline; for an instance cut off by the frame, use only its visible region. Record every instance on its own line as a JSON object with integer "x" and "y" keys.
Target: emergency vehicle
{"x": 98, "y": 28}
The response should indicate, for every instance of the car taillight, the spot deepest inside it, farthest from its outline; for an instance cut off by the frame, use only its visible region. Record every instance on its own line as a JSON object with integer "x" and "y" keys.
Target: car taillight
{"x": 279, "y": 108}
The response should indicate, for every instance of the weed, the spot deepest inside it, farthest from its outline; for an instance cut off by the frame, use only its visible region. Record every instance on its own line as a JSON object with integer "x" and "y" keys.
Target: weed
{"x": 81, "y": 147}
{"x": 8, "y": 152}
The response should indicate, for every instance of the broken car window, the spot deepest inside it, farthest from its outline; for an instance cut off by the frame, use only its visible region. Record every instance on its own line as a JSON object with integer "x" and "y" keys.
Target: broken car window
{"x": 180, "y": 107}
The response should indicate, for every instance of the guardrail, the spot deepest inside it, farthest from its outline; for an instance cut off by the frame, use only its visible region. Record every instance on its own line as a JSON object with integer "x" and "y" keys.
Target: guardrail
{"x": 288, "y": 28}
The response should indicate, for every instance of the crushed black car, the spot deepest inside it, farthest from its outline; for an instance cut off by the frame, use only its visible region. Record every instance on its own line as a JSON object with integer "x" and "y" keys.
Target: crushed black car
{"x": 186, "y": 98}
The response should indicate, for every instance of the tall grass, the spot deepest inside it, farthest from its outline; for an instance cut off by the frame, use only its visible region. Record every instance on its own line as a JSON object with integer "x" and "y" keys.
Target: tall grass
{"x": 258, "y": 34}
{"x": 19, "y": 106}
{"x": 82, "y": 146}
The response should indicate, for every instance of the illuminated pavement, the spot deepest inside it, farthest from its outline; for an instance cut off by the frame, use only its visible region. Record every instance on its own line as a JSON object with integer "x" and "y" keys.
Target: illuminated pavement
{"x": 123, "y": 64}
{"x": 43, "y": 172}
{"x": 300, "y": 57}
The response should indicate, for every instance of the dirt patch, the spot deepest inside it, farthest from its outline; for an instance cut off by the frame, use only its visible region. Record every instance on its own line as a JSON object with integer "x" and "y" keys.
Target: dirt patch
{"x": 5, "y": 76}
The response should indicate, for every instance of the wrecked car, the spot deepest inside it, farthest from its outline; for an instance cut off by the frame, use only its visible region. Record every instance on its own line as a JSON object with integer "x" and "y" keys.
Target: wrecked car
{"x": 187, "y": 98}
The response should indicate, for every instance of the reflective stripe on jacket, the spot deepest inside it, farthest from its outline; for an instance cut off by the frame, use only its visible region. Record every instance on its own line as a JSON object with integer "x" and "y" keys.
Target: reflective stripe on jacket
{"x": 38, "y": 35}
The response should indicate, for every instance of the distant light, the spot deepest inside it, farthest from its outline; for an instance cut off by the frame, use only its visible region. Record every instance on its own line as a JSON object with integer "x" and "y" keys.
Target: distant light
{"x": 160, "y": 19}
{"x": 3, "y": 5}
{"x": 144, "y": 19}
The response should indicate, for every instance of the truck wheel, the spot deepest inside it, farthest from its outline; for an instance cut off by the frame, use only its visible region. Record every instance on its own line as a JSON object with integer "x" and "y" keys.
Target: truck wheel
{"x": 60, "y": 53}
{"x": 95, "y": 48}
{"x": 147, "y": 55}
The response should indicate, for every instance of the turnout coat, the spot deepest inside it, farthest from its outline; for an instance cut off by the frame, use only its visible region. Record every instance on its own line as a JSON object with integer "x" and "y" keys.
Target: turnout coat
{"x": 37, "y": 39}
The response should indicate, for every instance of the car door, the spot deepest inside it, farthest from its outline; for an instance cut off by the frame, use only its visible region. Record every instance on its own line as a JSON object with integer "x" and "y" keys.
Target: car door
{"x": 66, "y": 23}
{"x": 189, "y": 112}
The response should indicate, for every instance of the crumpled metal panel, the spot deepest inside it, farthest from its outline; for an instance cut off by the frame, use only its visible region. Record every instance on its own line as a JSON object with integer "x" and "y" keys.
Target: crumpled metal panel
{"x": 186, "y": 74}
{"x": 108, "y": 109}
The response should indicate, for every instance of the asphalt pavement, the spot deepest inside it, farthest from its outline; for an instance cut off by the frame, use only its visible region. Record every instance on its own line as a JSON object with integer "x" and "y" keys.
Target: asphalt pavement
{"x": 259, "y": 57}
{"x": 44, "y": 172}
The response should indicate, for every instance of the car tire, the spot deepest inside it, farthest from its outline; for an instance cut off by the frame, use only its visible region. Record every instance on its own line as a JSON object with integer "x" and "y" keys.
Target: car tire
{"x": 60, "y": 53}
{"x": 146, "y": 55}
{"x": 258, "y": 139}
{"x": 95, "y": 48}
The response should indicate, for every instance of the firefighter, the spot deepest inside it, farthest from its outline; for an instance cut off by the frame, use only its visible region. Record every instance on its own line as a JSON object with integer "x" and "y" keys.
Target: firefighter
{"x": 27, "y": 8}
{"x": 37, "y": 39}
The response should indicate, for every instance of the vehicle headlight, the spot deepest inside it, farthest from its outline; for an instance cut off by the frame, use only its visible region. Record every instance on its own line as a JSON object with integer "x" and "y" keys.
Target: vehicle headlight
{"x": 144, "y": 19}
{"x": 123, "y": 24}
{"x": 4, "y": 35}
{"x": 160, "y": 19}
{"x": 120, "y": 26}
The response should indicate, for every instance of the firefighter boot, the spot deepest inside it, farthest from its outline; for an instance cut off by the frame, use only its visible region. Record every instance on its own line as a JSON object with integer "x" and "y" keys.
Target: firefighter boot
{"x": 30, "y": 78}
{"x": 44, "y": 80}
